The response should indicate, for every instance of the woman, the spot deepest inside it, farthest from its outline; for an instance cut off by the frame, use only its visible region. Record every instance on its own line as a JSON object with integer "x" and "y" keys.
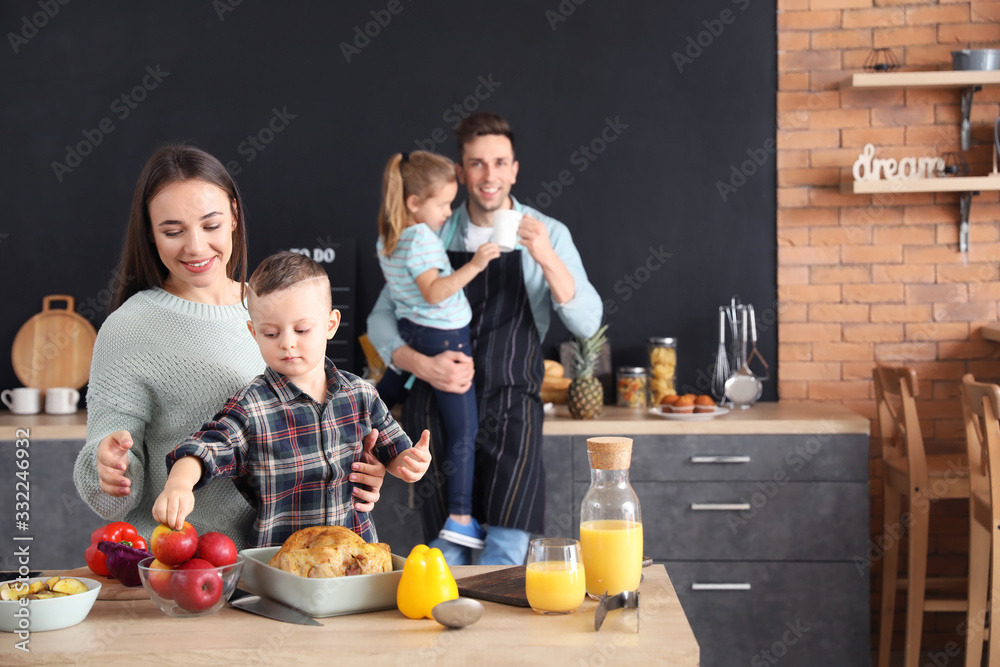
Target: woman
{"x": 175, "y": 346}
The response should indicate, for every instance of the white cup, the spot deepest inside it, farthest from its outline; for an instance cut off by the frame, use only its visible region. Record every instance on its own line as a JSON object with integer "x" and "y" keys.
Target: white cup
{"x": 505, "y": 224}
{"x": 61, "y": 400}
{"x": 22, "y": 401}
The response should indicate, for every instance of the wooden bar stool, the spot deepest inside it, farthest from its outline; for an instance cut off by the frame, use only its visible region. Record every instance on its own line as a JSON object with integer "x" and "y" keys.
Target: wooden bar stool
{"x": 981, "y": 410}
{"x": 908, "y": 471}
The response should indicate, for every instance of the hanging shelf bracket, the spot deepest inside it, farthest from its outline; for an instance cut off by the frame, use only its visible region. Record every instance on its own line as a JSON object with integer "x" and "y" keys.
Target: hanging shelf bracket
{"x": 967, "y": 95}
{"x": 964, "y": 206}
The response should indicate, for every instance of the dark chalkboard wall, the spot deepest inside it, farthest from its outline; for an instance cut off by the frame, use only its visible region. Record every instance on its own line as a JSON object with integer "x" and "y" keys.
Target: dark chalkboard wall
{"x": 647, "y": 127}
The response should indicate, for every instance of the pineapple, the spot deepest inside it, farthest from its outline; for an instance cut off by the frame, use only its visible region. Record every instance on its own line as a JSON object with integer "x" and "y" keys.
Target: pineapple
{"x": 586, "y": 395}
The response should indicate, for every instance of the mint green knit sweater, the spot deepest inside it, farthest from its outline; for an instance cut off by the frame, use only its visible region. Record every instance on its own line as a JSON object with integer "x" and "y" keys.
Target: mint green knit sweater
{"x": 162, "y": 367}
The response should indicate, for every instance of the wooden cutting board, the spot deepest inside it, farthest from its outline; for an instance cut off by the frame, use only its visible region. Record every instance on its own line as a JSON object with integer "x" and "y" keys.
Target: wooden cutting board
{"x": 503, "y": 586}
{"x": 111, "y": 589}
{"x": 54, "y": 347}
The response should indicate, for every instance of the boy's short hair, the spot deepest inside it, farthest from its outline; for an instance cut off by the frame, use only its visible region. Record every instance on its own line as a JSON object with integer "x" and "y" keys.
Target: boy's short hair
{"x": 284, "y": 270}
{"x": 478, "y": 125}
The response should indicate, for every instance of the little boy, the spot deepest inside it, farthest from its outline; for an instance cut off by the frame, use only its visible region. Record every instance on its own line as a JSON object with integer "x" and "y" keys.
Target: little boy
{"x": 288, "y": 439}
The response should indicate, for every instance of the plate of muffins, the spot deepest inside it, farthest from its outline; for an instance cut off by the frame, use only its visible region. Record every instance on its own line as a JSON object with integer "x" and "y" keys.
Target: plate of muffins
{"x": 688, "y": 407}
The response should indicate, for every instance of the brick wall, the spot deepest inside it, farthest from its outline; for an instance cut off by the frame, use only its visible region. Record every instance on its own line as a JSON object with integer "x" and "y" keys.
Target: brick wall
{"x": 866, "y": 278}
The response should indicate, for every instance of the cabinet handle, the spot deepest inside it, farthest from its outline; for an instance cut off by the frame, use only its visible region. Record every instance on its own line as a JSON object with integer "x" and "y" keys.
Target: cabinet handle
{"x": 744, "y": 586}
{"x": 720, "y": 459}
{"x": 720, "y": 507}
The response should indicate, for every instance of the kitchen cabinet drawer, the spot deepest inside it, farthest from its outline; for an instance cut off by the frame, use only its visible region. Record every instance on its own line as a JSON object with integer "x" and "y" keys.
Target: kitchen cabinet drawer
{"x": 818, "y": 457}
{"x": 792, "y": 614}
{"x": 795, "y": 521}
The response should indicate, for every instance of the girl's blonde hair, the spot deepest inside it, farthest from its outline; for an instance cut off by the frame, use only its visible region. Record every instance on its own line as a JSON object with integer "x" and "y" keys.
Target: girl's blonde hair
{"x": 418, "y": 173}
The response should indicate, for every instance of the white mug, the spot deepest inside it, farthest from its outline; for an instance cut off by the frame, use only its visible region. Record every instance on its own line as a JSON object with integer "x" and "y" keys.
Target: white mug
{"x": 61, "y": 400}
{"x": 22, "y": 401}
{"x": 505, "y": 224}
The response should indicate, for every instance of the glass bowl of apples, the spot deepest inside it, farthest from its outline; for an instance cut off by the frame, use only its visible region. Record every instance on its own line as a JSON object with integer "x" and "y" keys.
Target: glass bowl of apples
{"x": 193, "y": 588}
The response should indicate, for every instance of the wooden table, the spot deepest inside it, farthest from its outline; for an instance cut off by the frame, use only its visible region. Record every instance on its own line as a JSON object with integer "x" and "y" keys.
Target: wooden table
{"x": 137, "y": 633}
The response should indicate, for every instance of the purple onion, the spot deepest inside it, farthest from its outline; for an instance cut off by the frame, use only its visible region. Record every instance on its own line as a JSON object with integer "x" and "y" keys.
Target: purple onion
{"x": 123, "y": 561}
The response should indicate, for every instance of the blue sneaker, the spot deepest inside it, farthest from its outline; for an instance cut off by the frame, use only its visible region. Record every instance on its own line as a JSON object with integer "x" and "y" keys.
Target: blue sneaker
{"x": 470, "y": 535}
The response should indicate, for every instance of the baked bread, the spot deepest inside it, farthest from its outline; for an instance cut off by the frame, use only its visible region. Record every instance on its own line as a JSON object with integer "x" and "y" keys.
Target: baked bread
{"x": 553, "y": 369}
{"x": 331, "y": 551}
{"x": 555, "y": 389}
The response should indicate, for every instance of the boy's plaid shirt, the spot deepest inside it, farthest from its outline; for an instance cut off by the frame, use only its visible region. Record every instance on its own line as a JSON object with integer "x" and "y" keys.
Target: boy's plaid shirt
{"x": 290, "y": 456}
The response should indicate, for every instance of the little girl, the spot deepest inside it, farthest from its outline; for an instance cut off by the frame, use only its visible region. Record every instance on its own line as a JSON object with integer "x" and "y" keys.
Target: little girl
{"x": 433, "y": 313}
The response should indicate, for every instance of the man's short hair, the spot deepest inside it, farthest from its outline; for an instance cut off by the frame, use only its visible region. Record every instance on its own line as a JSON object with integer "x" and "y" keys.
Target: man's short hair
{"x": 481, "y": 124}
{"x": 284, "y": 270}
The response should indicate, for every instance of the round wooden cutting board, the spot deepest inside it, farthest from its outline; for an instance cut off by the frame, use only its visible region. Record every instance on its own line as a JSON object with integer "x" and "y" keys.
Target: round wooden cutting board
{"x": 54, "y": 347}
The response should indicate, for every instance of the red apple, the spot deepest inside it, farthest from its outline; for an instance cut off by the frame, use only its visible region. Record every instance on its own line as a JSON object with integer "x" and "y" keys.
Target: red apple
{"x": 217, "y": 549}
{"x": 159, "y": 580}
{"x": 196, "y": 585}
{"x": 173, "y": 547}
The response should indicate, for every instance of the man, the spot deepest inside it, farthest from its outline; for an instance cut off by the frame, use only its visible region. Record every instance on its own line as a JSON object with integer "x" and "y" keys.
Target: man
{"x": 511, "y": 304}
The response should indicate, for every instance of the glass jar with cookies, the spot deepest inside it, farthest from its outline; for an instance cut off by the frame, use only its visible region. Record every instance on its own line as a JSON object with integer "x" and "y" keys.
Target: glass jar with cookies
{"x": 662, "y": 368}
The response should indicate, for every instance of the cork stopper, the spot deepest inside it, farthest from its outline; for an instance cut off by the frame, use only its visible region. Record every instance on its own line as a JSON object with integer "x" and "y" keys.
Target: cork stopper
{"x": 610, "y": 453}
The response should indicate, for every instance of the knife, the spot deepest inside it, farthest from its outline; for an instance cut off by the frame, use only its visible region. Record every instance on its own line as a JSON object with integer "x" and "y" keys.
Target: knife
{"x": 269, "y": 608}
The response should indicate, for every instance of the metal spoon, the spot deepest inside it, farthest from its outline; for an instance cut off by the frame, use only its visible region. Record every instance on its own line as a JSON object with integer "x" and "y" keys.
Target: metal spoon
{"x": 743, "y": 389}
{"x": 457, "y": 613}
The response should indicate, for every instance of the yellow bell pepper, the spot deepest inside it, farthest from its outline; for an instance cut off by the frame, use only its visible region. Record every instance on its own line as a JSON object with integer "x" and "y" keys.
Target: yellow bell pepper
{"x": 425, "y": 582}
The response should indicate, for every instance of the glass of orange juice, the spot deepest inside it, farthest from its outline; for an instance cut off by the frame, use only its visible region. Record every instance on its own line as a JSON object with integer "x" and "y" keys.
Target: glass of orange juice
{"x": 554, "y": 580}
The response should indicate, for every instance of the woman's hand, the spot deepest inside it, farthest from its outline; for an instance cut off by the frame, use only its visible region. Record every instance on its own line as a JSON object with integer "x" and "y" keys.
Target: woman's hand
{"x": 112, "y": 463}
{"x": 369, "y": 472}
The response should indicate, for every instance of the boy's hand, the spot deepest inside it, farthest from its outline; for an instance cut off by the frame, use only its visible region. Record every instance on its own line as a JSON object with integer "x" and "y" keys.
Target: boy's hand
{"x": 177, "y": 499}
{"x": 486, "y": 253}
{"x": 173, "y": 505}
{"x": 413, "y": 463}
{"x": 112, "y": 463}
{"x": 370, "y": 473}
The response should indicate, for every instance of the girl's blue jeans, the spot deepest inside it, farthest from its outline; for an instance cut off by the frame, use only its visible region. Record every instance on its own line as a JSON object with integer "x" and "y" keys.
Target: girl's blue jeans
{"x": 458, "y": 411}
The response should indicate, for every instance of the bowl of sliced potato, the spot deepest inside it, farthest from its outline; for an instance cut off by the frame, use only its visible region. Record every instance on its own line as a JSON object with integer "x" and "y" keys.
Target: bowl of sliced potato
{"x": 46, "y": 603}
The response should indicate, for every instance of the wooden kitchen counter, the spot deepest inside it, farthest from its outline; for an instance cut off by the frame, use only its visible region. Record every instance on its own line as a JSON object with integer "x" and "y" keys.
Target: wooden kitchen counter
{"x": 763, "y": 418}
{"x": 137, "y": 633}
{"x": 43, "y": 426}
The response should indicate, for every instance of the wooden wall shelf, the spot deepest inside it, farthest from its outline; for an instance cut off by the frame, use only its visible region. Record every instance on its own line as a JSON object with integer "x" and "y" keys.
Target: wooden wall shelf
{"x": 937, "y": 79}
{"x": 968, "y": 83}
{"x": 956, "y": 184}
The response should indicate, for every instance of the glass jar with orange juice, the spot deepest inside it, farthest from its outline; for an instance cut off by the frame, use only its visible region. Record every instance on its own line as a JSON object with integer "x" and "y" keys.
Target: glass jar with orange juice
{"x": 610, "y": 520}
